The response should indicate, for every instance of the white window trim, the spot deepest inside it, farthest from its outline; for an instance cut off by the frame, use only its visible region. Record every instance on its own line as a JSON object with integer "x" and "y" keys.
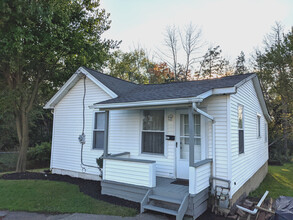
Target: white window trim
{"x": 93, "y": 130}
{"x": 258, "y": 126}
{"x": 266, "y": 137}
{"x": 140, "y": 135}
{"x": 243, "y": 126}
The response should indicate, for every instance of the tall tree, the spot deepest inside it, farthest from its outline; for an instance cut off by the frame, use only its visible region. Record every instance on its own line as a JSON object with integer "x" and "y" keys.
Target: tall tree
{"x": 42, "y": 42}
{"x": 274, "y": 65}
{"x": 240, "y": 64}
{"x": 131, "y": 66}
{"x": 191, "y": 43}
{"x": 175, "y": 40}
{"x": 213, "y": 64}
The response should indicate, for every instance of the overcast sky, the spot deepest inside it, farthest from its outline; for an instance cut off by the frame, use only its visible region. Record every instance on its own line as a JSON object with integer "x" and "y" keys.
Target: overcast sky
{"x": 235, "y": 25}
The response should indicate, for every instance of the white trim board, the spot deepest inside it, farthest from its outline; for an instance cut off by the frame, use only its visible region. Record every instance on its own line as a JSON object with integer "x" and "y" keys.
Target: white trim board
{"x": 71, "y": 82}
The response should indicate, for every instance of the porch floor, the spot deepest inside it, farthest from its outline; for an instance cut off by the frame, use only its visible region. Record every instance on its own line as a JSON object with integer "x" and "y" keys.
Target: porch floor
{"x": 165, "y": 184}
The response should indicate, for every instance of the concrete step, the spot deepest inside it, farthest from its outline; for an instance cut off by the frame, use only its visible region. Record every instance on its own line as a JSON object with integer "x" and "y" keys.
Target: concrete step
{"x": 159, "y": 209}
{"x": 165, "y": 199}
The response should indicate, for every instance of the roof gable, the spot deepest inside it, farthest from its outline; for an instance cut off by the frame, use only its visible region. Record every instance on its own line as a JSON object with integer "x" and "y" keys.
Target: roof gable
{"x": 111, "y": 85}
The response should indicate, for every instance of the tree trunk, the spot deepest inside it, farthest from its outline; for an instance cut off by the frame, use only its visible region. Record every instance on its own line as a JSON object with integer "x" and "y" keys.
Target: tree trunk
{"x": 23, "y": 137}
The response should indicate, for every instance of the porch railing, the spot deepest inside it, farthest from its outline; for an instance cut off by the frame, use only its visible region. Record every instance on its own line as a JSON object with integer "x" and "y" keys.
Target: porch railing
{"x": 124, "y": 169}
{"x": 199, "y": 176}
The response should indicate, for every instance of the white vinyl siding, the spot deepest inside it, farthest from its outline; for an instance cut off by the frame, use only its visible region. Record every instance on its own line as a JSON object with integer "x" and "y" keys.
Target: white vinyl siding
{"x": 243, "y": 166}
{"x": 125, "y": 136}
{"x": 217, "y": 107}
{"x": 68, "y": 126}
{"x": 136, "y": 173}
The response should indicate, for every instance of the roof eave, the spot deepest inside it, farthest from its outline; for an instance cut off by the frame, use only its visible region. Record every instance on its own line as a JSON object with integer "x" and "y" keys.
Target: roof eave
{"x": 164, "y": 102}
{"x": 71, "y": 82}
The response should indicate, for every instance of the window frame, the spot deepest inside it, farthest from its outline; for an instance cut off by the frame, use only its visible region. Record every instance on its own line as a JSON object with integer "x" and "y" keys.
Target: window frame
{"x": 258, "y": 125}
{"x": 240, "y": 151}
{"x": 95, "y": 130}
{"x": 266, "y": 139}
{"x": 141, "y": 130}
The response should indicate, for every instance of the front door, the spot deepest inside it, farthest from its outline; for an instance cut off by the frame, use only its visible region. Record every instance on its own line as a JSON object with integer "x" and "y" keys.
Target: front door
{"x": 182, "y": 142}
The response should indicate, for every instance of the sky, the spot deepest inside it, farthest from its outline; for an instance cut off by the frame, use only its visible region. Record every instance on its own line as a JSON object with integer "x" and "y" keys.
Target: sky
{"x": 235, "y": 25}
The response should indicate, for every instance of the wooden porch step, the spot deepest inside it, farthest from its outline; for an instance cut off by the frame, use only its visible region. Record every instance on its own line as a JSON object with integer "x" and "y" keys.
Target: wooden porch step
{"x": 165, "y": 199}
{"x": 159, "y": 209}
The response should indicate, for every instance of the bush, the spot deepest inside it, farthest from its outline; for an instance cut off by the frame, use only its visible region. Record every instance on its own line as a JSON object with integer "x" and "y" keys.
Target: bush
{"x": 39, "y": 156}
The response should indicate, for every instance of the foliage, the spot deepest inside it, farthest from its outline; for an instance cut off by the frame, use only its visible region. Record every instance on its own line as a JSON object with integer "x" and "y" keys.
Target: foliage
{"x": 240, "y": 64}
{"x": 40, "y": 154}
{"x": 53, "y": 197}
{"x": 213, "y": 64}
{"x": 160, "y": 73}
{"x": 42, "y": 42}
{"x": 131, "y": 66}
{"x": 274, "y": 65}
{"x": 8, "y": 161}
{"x": 279, "y": 182}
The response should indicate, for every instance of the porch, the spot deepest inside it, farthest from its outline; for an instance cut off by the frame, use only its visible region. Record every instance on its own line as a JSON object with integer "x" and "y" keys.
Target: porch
{"x": 140, "y": 175}
{"x": 136, "y": 180}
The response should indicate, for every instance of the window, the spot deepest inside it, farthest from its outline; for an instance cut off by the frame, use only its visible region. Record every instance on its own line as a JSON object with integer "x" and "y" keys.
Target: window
{"x": 153, "y": 132}
{"x": 240, "y": 129}
{"x": 258, "y": 126}
{"x": 99, "y": 130}
{"x": 266, "y": 132}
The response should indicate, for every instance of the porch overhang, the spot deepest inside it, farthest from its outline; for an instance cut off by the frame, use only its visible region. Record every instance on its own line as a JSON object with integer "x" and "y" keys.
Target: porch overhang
{"x": 148, "y": 104}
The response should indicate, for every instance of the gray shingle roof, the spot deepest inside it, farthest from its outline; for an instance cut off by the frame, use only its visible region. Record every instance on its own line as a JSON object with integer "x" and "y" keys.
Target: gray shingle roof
{"x": 117, "y": 85}
{"x": 130, "y": 92}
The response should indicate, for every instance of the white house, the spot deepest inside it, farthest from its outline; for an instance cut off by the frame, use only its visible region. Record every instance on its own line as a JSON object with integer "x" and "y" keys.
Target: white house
{"x": 144, "y": 133}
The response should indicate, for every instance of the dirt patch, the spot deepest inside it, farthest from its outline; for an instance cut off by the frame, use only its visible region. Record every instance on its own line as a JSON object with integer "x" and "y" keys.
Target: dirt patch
{"x": 89, "y": 187}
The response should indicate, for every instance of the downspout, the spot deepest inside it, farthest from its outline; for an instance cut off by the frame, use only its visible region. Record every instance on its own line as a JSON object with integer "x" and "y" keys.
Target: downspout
{"x": 194, "y": 106}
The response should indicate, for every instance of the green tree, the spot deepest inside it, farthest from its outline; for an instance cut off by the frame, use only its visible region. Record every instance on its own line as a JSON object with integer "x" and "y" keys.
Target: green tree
{"x": 132, "y": 66}
{"x": 240, "y": 64}
{"x": 42, "y": 42}
{"x": 213, "y": 64}
{"x": 274, "y": 65}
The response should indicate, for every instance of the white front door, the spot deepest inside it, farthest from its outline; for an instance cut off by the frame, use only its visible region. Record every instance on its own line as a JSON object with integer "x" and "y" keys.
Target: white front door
{"x": 182, "y": 142}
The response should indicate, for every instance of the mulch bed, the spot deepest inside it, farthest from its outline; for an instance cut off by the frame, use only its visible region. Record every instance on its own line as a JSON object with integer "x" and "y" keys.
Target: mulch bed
{"x": 89, "y": 187}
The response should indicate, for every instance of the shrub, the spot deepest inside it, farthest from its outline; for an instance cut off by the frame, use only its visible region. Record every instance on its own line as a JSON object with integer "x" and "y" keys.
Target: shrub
{"x": 40, "y": 154}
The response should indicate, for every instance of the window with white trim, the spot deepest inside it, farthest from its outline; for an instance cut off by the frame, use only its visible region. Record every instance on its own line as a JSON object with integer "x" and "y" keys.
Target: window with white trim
{"x": 258, "y": 126}
{"x": 240, "y": 129}
{"x": 153, "y": 132}
{"x": 99, "y": 130}
{"x": 266, "y": 132}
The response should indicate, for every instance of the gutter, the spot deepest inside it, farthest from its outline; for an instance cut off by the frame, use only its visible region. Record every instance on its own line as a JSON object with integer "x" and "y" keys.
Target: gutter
{"x": 142, "y": 104}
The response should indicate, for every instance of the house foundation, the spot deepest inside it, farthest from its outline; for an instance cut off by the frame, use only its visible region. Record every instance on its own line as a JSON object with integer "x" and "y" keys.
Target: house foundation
{"x": 251, "y": 184}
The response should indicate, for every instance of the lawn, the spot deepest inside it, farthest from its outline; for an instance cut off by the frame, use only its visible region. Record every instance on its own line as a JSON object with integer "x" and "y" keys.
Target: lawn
{"x": 279, "y": 182}
{"x": 53, "y": 197}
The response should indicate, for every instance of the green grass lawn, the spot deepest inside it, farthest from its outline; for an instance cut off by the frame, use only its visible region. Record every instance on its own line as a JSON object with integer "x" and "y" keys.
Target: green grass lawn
{"x": 279, "y": 182}
{"x": 53, "y": 197}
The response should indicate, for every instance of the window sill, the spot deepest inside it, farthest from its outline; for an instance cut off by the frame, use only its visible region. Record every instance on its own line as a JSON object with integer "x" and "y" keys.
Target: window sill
{"x": 152, "y": 155}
